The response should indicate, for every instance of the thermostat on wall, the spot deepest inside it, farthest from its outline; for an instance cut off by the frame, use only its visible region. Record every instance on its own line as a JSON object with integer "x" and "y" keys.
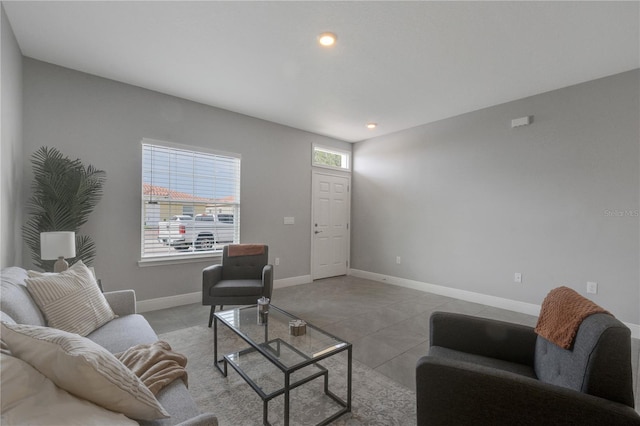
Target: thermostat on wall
{"x": 522, "y": 121}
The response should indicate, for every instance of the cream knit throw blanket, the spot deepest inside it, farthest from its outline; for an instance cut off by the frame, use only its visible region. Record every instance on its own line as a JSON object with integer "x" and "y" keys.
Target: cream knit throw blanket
{"x": 155, "y": 364}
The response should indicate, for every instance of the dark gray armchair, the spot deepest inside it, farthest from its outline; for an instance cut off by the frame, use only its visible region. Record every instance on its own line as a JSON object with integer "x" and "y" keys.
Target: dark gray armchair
{"x": 239, "y": 280}
{"x": 486, "y": 372}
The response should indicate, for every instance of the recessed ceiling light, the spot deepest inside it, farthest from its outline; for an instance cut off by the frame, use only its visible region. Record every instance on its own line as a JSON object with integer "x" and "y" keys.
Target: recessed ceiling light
{"x": 327, "y": 39}
{"x": 372, "y": 125}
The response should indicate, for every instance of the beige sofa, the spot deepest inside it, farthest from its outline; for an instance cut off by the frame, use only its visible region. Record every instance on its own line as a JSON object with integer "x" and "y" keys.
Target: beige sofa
{"x": 18, "y": 307}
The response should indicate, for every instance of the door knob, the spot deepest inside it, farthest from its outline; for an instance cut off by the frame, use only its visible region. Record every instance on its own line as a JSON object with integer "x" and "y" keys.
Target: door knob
{"x": 317, "y": 232}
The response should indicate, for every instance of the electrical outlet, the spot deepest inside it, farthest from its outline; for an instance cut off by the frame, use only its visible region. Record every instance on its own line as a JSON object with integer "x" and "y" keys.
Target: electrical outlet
{"x": 517, "y": 277}
{"x": 277, "y": 261}
{"x": 592, "y": 287}
{"x": 398, "y": 260}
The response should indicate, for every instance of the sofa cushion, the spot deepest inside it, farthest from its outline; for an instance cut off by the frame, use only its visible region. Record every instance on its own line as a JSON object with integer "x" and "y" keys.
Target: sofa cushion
{"x": 83, "y": 368}
{"x": 16, "y": 300}
{"x": 71, "y": 300}
{"x": 6, "y": 318}
{"x": 124, "y": 332}
{"x": 237, "y": 288}
{"x": 30, "y": 398}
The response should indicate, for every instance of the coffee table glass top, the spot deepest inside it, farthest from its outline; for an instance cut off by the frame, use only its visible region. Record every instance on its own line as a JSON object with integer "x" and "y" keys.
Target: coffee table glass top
{"x": 295, "y": 350}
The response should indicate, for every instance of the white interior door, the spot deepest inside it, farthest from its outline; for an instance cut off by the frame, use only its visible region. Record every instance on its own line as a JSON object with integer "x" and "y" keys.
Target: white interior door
{"x": 330, "y": 225}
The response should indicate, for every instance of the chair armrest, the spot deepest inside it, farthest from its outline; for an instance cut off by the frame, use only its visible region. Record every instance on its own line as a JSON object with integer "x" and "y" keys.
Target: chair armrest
{"x": 123, "y": 302}
{"x": 483, "y": 336}
{"x": 206, "y": 419}
{"x": 211, "y": 275}
{"x": 267, "y": 280}
{"x": 453, "y": 392}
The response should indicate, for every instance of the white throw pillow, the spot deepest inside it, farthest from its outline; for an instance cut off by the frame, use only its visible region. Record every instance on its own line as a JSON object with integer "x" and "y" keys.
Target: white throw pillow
{"x": 83, "y": 368}
{"x": 29, "y": 398}
{"x": 71, "y": 300}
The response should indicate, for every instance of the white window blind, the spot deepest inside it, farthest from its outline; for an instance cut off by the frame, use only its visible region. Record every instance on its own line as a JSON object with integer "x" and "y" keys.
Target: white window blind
{"x": 190, "y": 200}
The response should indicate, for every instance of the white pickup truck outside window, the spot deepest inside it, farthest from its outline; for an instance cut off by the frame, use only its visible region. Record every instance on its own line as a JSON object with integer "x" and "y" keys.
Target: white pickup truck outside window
{"x": 190, "y": 200}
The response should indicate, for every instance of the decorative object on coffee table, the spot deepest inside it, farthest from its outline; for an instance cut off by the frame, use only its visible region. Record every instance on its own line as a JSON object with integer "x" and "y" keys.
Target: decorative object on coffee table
{"x": 263, "y": 310}
{"x": 297, "y": 328}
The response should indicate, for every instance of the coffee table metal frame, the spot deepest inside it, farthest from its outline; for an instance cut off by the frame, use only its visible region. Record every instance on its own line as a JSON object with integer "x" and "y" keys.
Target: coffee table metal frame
{"x": 270, "y": 350}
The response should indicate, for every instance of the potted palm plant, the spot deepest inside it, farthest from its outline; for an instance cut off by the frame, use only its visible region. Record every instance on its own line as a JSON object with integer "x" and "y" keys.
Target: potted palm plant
{"x": 63, "y": 194}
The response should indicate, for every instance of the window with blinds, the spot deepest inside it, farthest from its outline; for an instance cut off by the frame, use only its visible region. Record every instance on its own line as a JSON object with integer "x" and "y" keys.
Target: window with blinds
{"x": 190, "y": 199}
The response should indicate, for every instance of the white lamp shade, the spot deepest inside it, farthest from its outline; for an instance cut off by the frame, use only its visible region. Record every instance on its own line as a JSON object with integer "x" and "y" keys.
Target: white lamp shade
{"x": 56, "y": 244}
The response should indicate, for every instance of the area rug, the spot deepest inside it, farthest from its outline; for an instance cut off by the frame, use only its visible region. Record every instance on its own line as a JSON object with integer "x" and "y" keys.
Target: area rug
{"x": 376, "y": 399}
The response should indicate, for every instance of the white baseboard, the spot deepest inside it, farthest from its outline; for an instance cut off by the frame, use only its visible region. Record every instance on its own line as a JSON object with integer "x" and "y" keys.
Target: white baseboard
{"x": 189, "y": 298}
{"x": 168, "y": 302}
{"x": 469, "y": 296}
{"x": 288, "y": 282}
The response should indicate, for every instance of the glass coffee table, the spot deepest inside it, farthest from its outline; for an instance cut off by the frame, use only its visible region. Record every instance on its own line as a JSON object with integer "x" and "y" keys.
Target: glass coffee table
{"x": 275, "y": 362}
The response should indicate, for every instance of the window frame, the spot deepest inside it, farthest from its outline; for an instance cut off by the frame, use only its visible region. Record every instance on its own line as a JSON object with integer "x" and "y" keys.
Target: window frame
{"x": 172, "y": 256}
{"x": 330, "y": 150}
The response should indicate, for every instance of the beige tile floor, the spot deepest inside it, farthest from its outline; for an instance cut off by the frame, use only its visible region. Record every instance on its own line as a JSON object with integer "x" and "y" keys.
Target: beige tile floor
{"x": 388, "y": 325}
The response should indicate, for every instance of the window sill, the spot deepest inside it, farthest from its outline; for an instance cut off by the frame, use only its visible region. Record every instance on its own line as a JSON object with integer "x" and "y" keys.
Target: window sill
{"x": 175, "y": 260}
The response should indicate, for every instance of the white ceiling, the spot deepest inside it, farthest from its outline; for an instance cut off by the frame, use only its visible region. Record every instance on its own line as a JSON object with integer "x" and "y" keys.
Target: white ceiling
{"x": 400, "y": 64}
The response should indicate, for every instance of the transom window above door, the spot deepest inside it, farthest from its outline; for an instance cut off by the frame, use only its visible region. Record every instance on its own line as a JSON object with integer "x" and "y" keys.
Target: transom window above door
{"x": 331, "y": 158}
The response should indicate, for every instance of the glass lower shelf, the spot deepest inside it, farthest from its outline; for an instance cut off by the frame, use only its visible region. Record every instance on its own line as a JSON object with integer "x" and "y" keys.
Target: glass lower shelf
{"x": 264, "y": 376}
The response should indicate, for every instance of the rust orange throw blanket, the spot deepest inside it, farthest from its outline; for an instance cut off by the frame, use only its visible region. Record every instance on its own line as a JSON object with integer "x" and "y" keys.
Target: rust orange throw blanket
{"x": 561, "y": 314}
{"x": 155, "y": 364}
{"x": 245, "y": 250}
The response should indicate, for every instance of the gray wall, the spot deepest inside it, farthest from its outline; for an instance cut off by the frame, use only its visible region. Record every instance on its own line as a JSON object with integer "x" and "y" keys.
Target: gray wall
{"x": 11, "y": 207}
{"x": 468, "y": 201}
{"x": 102, "y": 122}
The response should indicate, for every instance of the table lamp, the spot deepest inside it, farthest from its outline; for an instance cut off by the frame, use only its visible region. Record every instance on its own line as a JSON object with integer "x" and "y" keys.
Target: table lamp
{"x": 58, "y": 245}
